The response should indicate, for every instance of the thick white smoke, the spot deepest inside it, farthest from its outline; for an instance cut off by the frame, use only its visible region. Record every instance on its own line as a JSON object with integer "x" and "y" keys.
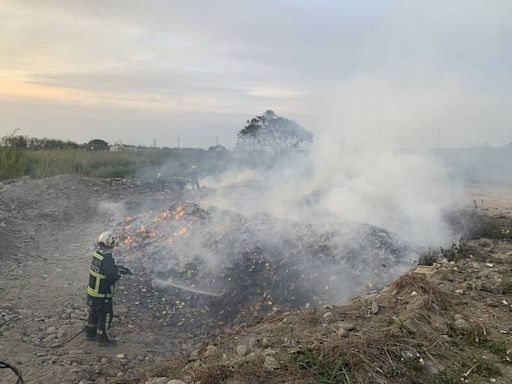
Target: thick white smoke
{"x": 400, "y": 190}
{"x": 310, "y": 218}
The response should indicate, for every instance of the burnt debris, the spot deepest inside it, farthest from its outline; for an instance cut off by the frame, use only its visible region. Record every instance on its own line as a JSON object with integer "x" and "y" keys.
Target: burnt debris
{"x": 253, "y": 265}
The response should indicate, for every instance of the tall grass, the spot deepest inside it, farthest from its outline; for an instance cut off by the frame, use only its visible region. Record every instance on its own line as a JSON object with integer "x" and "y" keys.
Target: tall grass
{"x": 15, "y": 163}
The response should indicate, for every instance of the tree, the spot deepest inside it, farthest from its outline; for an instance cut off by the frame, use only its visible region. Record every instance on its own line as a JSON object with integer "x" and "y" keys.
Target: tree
{"x": 272, "y": 133}
{"x": 15, "y": 141}
{"x": 97, "y": 145}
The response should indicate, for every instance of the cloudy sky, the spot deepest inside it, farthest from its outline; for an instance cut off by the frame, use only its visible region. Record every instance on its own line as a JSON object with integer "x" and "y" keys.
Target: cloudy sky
{"x": 422, "y": 72}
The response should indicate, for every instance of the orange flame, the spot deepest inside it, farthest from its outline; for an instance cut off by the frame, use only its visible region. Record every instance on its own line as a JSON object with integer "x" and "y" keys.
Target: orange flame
{"x": 183, "y": 231}
{"x": 180, "y": 212}
{"x": 129, "y": 240}
{"x": 165, "y": 215}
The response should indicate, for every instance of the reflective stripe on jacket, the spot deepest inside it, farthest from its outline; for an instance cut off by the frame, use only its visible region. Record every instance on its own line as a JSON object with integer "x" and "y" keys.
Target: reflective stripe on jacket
{"x": 102, "y": 275}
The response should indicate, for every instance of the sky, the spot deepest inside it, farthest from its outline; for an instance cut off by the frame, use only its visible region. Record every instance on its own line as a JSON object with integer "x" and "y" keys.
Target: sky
{"x": 416, "y": 73}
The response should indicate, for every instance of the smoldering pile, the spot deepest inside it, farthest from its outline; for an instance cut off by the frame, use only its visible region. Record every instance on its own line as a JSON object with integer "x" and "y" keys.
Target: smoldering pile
{"x": 253, "y": 265}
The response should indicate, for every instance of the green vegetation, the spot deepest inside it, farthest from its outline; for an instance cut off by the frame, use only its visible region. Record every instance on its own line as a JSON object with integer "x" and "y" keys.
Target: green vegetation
{"x": 499, "y": 348}
{"x": 38, "y": 158}
{"x": 325, "y": 370}
{"x": 458, "y": 251}
{"x": 505, "y": 287}
{"x": 481, "y": 366}
{"x": 470, "y": 371}
{"x": 475, "y": 225}
{"x": 15, "y": 163}
{"x": 34, "y": 143}
{"x": 476, "y": 337}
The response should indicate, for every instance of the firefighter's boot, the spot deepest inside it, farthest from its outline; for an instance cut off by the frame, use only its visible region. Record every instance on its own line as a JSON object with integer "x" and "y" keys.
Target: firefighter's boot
{"x": 91, "y": 333}
{"x": 106, "y": 339}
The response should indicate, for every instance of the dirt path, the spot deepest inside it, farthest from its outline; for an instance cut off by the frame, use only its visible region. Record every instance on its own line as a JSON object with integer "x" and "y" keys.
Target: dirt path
{"x": 492, "y": 199}
{"x": 47, "y": 228}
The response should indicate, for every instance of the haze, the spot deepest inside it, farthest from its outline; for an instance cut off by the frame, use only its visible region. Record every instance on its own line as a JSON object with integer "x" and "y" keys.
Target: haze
{"x": 422, "y": 73}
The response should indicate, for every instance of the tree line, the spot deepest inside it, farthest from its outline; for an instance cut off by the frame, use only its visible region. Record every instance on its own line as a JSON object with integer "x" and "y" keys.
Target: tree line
{"x": 266, "y": 133}
{"x": 22, "y": 142}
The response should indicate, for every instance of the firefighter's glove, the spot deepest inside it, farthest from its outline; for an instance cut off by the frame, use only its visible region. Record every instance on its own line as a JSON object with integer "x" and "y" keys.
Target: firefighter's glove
{"x": 123, "y": 270}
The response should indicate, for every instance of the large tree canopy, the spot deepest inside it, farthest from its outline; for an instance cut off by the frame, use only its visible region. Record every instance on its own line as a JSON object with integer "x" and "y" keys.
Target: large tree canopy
{"x": 273, "y": 133}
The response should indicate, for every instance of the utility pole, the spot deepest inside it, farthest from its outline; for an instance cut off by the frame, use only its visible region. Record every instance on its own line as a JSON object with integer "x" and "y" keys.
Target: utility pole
{"x": 154, "y": 142}
{"x": 178, "y": 143}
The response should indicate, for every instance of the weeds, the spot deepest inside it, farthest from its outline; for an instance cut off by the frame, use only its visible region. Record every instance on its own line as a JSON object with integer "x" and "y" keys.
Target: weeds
{"x": 505, "y": 287}
{"x": 445, "y": 378}
{"x": 457, "y": 251}
{"x": 430, "y": 257}
{"x": 481, "y": 366}
{"x": 474, "y": 225}
{"x": 499, "y": 348}
{"x": 476, "y": 337}
{"x": 324, "y": 370}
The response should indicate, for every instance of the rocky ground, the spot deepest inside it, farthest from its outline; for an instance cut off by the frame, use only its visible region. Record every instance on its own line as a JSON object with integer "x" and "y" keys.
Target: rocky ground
{"x": 47, "y": 233}
{"x": 448, "y": 322}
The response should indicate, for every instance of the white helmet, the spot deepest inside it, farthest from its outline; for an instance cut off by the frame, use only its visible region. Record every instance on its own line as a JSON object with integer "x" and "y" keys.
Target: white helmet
{"x": 107, "y": 239}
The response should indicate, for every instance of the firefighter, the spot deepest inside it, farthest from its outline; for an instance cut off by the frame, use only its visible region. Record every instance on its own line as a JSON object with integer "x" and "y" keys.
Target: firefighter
{"x": 102, "y": 277}
{"x": 194, "y": 179}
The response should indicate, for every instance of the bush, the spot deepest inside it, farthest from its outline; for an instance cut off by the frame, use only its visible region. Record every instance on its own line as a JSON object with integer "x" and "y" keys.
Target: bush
{"x": 474, "y": 225}
{"x": 430, "y": 257}
{"x": 13, "y": 163}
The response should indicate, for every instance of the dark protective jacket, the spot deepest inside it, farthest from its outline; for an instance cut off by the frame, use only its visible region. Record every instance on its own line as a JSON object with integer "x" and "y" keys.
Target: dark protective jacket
{"x": 102, "y": 275}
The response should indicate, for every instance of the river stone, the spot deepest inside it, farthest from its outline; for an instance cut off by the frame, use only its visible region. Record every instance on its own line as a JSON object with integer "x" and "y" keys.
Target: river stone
{"x": 271, "y": 363}
{"x": 241, "y": 350}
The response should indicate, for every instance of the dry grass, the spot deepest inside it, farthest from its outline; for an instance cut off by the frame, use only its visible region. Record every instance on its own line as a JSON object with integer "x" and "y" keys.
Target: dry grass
{"x": 389, "y": 351}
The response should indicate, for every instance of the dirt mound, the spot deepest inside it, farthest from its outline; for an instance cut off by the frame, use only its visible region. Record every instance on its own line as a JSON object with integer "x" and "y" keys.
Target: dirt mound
{"x": 254, "y": 265}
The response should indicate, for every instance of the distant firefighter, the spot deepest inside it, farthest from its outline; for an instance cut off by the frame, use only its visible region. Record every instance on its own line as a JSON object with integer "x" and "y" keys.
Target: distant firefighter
{"x": 102, "y": 277}
{"x": 160, "y": 181}
{"x": 194, "y": 179}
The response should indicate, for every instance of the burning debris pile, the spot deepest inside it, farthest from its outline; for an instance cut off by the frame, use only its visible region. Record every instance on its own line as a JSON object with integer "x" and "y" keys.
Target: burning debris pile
{"x": 238, "y": 267}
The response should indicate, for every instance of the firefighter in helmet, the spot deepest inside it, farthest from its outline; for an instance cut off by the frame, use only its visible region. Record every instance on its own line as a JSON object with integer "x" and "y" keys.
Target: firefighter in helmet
{"x": 102, "y": 277}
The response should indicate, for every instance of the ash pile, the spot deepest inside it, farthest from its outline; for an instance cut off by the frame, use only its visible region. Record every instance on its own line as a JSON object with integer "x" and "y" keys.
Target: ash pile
{"x": 231, "y": 268}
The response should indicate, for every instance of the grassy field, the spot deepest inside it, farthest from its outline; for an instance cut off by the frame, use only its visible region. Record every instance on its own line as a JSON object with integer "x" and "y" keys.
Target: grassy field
{"x": 16, "y": 163}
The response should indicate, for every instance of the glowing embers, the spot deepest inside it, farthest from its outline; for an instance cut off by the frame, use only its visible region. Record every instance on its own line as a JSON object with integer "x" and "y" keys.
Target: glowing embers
{"x": 183, "y": 232}
{"x": 163, "y": 226}
{"x": 180, "y": 212}
{"x": 129, "y": 240}
{"x": 165, "y": 215}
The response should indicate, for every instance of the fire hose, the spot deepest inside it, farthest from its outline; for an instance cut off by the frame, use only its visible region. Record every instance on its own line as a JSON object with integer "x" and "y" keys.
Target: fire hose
{"x": 17, "y": 372}
{"x": 12, "y": 318}
{"x": 186, "y": 288}
{"x": 125, "y": 271}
